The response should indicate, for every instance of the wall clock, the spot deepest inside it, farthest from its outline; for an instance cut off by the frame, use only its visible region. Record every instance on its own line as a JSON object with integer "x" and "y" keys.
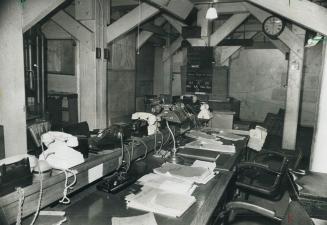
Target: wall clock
{"x": 273, "y": 26}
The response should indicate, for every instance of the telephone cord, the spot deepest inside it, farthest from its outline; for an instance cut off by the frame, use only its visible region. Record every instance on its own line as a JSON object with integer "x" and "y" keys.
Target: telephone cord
{"x": 21, "y": 194}
{"x": 21, "y": 197}
{"x": 65, "y": 200}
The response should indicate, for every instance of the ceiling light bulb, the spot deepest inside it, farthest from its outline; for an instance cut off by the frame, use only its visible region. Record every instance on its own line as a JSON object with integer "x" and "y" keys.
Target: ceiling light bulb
{"x": 211, "y": 13}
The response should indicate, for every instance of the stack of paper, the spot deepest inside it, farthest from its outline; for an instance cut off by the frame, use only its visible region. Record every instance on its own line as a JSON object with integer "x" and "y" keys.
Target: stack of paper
{"x": 160, "y": 201}
{"x": 169, "y": 184}
{"x": 194, "y": 174}
{"x": 211, "y": 145}
{"x": 230, "y": 136}
{"x": 146, "y": 219}
{"x": 199, "y": 135}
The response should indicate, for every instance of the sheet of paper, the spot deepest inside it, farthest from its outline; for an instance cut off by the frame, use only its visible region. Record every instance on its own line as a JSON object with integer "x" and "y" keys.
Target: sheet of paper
{"x": 146, "y": 219}
{"x": 161, "y": 202}
{"x": 208, "y": 165}
{"x": 167, "y": 183}
{"x": 95, "y": 173}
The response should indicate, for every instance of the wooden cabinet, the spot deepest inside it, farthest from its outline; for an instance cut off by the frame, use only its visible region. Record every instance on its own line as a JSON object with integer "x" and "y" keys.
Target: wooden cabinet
{"x": 220, "y": 82}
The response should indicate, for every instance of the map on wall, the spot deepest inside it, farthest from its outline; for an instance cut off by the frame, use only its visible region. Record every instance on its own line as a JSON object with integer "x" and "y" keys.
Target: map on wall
{"x": 61, "y": 57}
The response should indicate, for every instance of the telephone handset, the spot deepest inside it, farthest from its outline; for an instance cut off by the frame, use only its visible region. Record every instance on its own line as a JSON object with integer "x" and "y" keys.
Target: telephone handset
{"x": 111, "y": 136}
{"x": 60, "y": 154}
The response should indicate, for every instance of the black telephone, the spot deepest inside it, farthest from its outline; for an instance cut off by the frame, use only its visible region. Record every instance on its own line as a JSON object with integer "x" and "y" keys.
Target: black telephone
{"x": 111, "y": 137}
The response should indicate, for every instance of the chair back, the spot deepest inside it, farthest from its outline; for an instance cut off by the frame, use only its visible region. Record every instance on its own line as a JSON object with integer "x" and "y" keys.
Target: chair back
{"x": 3, "y": 219}
{"x": 296, "y": 215}
{"x": 37, "y": 129}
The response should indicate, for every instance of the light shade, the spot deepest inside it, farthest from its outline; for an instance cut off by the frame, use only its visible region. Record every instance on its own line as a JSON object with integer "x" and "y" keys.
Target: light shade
{"x": 313, "y": 41}
{"x": 211, "y": 13}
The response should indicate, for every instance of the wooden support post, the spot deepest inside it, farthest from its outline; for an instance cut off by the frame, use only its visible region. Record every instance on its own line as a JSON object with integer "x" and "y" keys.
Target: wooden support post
{"x": 102, "y": 14}
{"x": 304, "y": 12}
{"x": 12, "y": 85}
{"x": 318, "y": 150}
{"x": 87, "y": 86}
{"x": 87, "y": 68}
{"x": 293, "y": 95}
{"x": 229, "y": 26}
{"x": 296, "y": 45}
{"x": 34, "y": 11}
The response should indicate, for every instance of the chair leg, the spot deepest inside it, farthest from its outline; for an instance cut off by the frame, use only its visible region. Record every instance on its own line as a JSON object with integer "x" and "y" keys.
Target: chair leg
{"x": 231, "y": 216}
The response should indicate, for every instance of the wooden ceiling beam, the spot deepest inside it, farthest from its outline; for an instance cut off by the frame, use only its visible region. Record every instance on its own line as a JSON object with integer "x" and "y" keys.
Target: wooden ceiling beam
{"x": 175, "y": 23}
{"x": 228, "y": 27}
{"x": 179, "y": 9}
{"x": 154, "y": 29}
{"x": 74, "y": 28}
{"x": 228, "y": 8}
{"x": 287, "y": 36}
{"x": 130, "y": 20}
{"x": 118, "y": 3}
{"x": 227, "y": 51}
{"x": 134, "y": 17}
{"x": 172, "y": 49}
{"x": 146, "y": 35}
{"x": 36, "y": 10}
{"x": 304, "y": 12}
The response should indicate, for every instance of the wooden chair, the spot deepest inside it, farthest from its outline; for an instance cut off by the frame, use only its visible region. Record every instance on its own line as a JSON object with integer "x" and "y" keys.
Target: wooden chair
{"x": 36, "y": 130}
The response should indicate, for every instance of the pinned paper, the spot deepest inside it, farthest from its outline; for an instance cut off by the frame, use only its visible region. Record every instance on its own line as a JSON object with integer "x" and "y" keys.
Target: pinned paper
{"x": 95, "y": 173}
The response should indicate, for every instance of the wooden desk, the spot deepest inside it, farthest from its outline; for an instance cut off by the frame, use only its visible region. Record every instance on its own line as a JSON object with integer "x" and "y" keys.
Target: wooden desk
{"x": 208, "y": 195}
{"x": 97, "y": 207}
{"x": 53, "y": 186}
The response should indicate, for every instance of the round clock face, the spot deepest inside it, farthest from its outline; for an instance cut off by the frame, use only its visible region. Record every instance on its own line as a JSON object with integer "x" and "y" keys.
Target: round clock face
{"x": 273, "y": 26}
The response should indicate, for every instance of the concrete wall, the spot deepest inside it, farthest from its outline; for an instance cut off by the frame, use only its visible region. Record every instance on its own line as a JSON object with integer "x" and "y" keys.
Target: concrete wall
{"x": 258, "y": 77}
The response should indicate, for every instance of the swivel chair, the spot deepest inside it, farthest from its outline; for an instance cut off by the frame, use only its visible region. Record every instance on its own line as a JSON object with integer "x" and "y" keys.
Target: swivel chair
{"x": 264, "y": 176}
{"x": 234, "y": 214}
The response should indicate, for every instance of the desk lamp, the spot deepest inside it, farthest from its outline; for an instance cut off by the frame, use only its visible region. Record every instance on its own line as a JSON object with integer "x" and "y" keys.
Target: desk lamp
{"x": 174, "y": 158}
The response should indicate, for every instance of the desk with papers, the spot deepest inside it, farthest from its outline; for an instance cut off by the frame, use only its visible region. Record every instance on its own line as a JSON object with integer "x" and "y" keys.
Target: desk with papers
{"x": 94, "y": 207}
